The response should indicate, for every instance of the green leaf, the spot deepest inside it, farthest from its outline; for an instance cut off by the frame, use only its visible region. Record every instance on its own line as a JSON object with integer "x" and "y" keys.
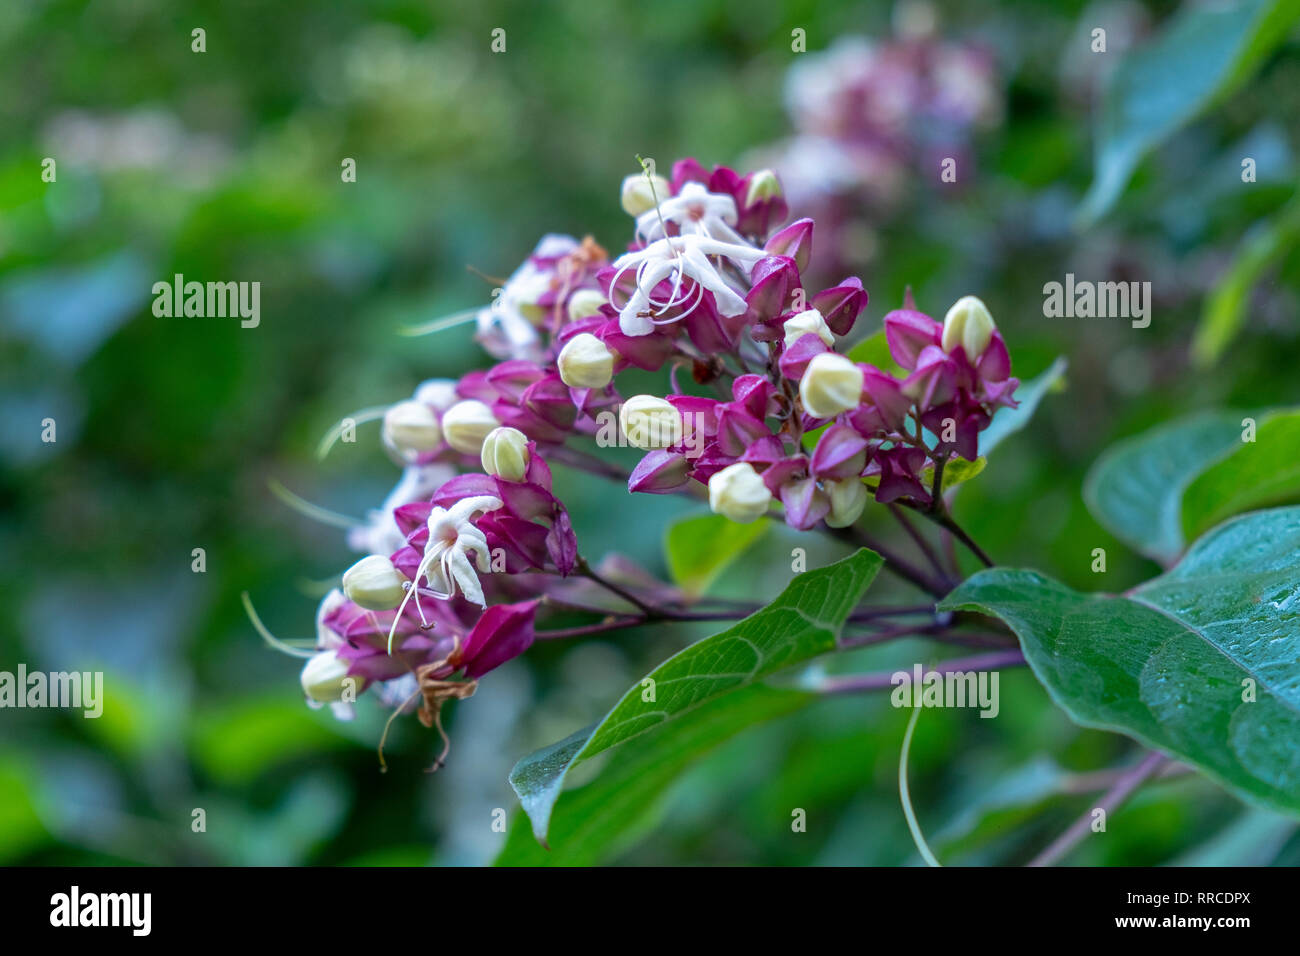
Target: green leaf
{"x": 1135, "y": 488}
{"x": 1259, "y": 473}
{"x": 1225, "y": 307}
{"x": 1170, "y": 662}
{"x": 874, "y": 350}
{"x": 1205, "y": 52}
{"x": 595, "y": 821}
{"x": 955, "y": 472}
{"x": 699, "y": 548}
{"x": 1165, "y": 487}
{"x": 805, "y": 620}
{"x": 1253, "y": 839}
{"x": 1007, "y": 421}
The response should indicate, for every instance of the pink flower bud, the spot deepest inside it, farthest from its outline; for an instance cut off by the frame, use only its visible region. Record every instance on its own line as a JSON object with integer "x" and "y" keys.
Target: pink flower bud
{"x": 795, "y": 241}
{"x": 658, "y": 473}
{"x": 907, "y": 332}
{"x": 841, "y": 305}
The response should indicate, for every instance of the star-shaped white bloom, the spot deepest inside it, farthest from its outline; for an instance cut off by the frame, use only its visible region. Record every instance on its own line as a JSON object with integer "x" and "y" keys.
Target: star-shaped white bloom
{"x": 678, "y": 258}
{"x": 446, "y": 564}
{"x": 696, "y": 211}
{"x": 452, "y": 539}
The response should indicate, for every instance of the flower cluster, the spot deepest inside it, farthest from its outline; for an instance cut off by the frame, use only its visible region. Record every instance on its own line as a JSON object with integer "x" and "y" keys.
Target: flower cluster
{"x": 868, "y": 114}
{"x": 462, "y": 554}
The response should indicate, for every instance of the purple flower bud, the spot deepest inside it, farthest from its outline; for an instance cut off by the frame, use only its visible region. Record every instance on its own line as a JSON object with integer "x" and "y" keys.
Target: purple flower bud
{"x": 529, "y": 422}
{"x": 511, "y": 377}
{"x": 886, "y": 395}
{"x": 765, "y": 452}
{"x": 562, "y": 543}
{"x": 998, "y": 394}
{"x": 900, "y": 468}
{"x": 795, "y": 241}
{"x": 502, "y": 633}
{"x": 957, "y": 428}
{"x": 658, "y": 473}
{"x": 841, "y": 453}
{"x": 935, "y": 379}
{"x": 475, "y": 385}
{"x": 994, "y": 364}
{"x": 794, "y": 360}
{"x": 549, "y": 399}
{"x": 711, "y": 461}
{"x": 908, "y": 332}
{"x": 737, "y": 430}
{"x": 841, "y": 305}
{"x": 755, "y": 394}
{"x": 688, "y": 170}
{"x": 772, "y": 283}
{"x": 699, "y": 417}
{"x": 784, "y": 471}
{"x": 805, "y": 503}
{"x": 647, "y": 352}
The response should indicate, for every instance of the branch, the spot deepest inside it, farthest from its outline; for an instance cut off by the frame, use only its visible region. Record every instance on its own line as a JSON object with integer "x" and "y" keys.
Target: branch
{"x": 884, "y": 680}
{"x": 918, "y": 539}
{"x": 893, "y": 563}
{"x": 1124, "y": 787}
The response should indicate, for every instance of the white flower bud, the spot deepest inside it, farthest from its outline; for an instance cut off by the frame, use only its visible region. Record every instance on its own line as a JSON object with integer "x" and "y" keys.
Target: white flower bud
{"x": 411, "y": 428}
{"x": 737, "y": 492}
{"x": 325, "y": 678}
{"x": 831, "y": 384}
{"x": 806, "y": 322}
{"x": 649, "y": 423}
{"x": 637, "y": 197}
{"x": 848, "y": 498}
{"x": 374, "y": 583}
{"x": 505, "y": 453}
{"x": 437, "y": 393}
{"x": 968, "y": 324}
{"x": 466, "y": 424}
{"x": 585, "y": 362}
{"x": 762, "y": 185}
{"x": 584, "y": 303}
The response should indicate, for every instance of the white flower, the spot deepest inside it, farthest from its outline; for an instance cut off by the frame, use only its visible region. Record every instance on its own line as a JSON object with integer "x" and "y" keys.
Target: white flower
{"x": 585, "y": 362}
{"x": 446, "y": 564}
{"x": 807, "y": 322}
{"x": 585, "y": 302}
{"x": 466, "y": 424}
{"x": 968, "y": 324}
{"x": 831, "y": 384}
{"x": 738, "y": 492}
{"x": 325, "y": 679}
{"x": 505, "y": 454}
{"x": 411, "y": 429}
{"x": 848, "y": 498}
{"x": 452, "y": 539}
{"x": 374, "y": 583}
{"x": 696, "y": 211}
{"x": 679, "y": 258}
{"x": 638, "y": 194}
{"x": 648, "y": 422}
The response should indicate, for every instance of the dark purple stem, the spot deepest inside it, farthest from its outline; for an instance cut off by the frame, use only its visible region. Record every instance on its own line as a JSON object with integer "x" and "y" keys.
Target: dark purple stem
{"x": 1124, "y": 787}
{"x": 884, "y": 680}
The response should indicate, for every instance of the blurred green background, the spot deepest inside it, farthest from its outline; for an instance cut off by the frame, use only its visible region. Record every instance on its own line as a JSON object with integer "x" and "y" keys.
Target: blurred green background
{"x": 226, "y": 165}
